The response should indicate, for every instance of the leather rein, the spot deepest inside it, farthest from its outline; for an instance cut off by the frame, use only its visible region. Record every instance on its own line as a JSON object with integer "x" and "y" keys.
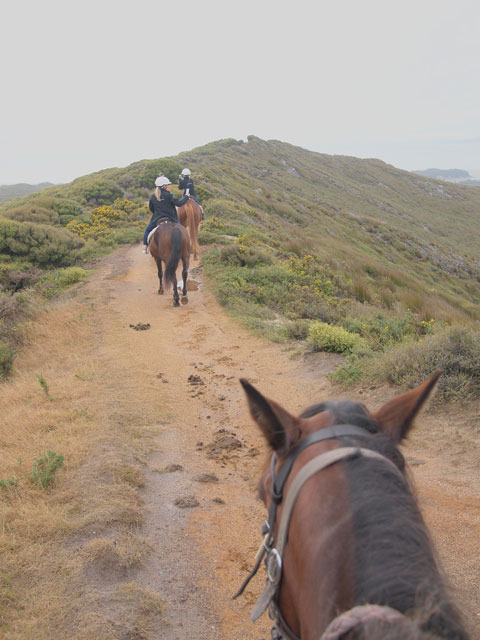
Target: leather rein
{"x": 272, "y": 550}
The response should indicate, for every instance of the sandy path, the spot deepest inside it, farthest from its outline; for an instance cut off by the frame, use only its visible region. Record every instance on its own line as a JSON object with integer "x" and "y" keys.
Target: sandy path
{"x": 202, "y": 553}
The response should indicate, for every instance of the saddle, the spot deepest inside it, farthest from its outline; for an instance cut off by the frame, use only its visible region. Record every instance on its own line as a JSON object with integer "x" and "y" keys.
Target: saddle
{"x": 159, "y": 222}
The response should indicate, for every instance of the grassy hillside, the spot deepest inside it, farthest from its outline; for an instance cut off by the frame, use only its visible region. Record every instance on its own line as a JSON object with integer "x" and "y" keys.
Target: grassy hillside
{"x": 9, "y": 191}
{"x": 294, "y": 238}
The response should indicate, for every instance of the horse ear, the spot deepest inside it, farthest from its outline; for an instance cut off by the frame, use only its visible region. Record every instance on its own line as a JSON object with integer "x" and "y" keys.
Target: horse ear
{"x": 277, "y": 425}
{"x": 396, "y": 417}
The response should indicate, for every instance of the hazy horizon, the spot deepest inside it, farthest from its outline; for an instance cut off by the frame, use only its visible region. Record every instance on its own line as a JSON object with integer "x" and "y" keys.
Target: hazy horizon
{"x": 104, "y": 84}
{"x": 472, "y": 171}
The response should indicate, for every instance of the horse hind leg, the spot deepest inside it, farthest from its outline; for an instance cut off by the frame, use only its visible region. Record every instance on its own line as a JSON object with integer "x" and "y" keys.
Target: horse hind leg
{"x": 176, "y": 302}
{"x": 160, "y": 274}
{"x": 184, "y": 277}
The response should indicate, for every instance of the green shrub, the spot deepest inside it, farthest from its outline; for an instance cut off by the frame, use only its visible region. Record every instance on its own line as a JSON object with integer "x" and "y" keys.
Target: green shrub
{"x": 8, "y": 483}
{"x": 203, "y": 193}
{"x": 96, "y": 191}
{"x": 208, "y": 237}
{"x": 53, "y": 282}
{"x": 127, "y": 235}
{"x": 42, "y": 244}
{"x": 17, "y": 275}
{"x": 455, "y": 350}
{"x": 297, "y": 329}
{"x": 7, "y": 356}
{"x": 235, "y": 255}
{"x": 152, "y": 168}
{"x": 45, "y": 468}
{"x": 62, "y": 206}
{"x": 356, "y": 366}
{"x": 43, "y": 384}
{"x": 325, "y": 337}
{"x": 33, "y": 213}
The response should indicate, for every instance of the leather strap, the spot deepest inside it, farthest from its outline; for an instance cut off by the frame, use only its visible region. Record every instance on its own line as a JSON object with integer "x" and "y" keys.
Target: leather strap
{"x": 307, "y": 471}
{"x": 312, "y": 467}
{"x": 336, "y": 431}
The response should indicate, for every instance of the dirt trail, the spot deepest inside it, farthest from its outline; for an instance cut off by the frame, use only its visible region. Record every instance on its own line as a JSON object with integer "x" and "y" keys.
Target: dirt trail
{"x": 201, "y": 513}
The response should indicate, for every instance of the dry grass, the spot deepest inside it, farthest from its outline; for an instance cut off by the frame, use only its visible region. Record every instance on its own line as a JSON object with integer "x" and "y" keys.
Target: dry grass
{"x": 50, "y": 540}
{"x": 107, "y": 555}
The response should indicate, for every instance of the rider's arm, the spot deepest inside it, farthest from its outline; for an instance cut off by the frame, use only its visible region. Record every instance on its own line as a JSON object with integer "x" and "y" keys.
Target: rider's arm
{"x": 150, "y": 205}
{"x": 178, "y": 203}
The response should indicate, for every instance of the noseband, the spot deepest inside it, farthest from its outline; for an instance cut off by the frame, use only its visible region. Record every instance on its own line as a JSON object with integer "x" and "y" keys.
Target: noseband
{"x": 273, "y": 550}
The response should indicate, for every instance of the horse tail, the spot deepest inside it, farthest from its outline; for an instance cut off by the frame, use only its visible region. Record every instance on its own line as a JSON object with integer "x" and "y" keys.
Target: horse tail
{"x": 174, "y": 259}
{"x": 192, "y": 227}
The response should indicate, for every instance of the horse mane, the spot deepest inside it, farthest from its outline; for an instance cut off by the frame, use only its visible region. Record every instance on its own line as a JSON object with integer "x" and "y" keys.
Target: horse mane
{"x": 395, "y": 561}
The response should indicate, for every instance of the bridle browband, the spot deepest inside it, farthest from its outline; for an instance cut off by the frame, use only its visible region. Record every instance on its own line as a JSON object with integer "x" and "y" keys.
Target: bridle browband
{"x": 274, "y": 553}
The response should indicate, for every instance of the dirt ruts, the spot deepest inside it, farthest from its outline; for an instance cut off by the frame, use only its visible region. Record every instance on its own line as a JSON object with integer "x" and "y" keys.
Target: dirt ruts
{"x": 201, "y": 513}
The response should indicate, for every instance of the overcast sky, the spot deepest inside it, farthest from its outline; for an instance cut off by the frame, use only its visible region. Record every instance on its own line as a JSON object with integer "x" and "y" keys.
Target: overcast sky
{"x": 92, "y": 84}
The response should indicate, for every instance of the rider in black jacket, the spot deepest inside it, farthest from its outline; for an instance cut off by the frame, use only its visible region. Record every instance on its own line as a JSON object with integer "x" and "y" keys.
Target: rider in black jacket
{"x": 185, "y": 182}
{"x": 162, "y": 205}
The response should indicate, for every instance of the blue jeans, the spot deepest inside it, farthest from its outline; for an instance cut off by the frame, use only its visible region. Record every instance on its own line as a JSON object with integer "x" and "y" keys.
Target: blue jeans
{"x": 150, "y": 227}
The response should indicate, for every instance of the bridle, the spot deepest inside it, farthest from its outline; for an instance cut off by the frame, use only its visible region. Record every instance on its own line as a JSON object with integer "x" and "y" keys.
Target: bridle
{"x": 272, "y": 550}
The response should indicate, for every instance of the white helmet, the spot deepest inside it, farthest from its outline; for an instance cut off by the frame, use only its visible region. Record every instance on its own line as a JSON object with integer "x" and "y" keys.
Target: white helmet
{"x": 162, "y": 181}
{"x": 186, "y": 172}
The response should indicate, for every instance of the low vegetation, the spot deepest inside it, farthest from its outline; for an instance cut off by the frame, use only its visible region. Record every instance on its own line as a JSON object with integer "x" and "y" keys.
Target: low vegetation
{"x": 72, "y": 469}
{"x": 45, "y": 467}
{"x": 325, "y": 253}
{"x": 295, "y": 241}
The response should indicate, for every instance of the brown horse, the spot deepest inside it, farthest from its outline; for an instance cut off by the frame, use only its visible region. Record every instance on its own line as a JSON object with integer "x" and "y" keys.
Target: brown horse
{"x": 190, "y": 216}
{"x": 347, "y": 552}
{"x": 170, "y": 243}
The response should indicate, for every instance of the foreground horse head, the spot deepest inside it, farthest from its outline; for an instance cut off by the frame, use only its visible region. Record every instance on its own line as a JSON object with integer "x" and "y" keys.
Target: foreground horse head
{"x": 347, "y": 552}
{"x": 190, "y": 216}
{"x": 169, "y": 243}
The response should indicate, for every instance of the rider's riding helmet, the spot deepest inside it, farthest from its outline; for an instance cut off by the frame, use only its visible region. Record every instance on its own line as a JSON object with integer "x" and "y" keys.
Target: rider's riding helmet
{"x": 162, "y": 181}
{"x": 186, "y": 172}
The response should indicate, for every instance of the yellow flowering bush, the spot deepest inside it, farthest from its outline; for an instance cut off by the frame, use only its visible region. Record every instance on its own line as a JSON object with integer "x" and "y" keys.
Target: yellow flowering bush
{"x": 104, "y": 219}
{"x": 213, "y": 223}
{"x": 311, "y": 274}
{"x": 325, "y": 337}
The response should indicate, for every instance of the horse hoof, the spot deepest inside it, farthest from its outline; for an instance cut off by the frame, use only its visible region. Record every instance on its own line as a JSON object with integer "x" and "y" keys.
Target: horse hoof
{"x": 176, "y": 303}
{"x": 184, "y": 299}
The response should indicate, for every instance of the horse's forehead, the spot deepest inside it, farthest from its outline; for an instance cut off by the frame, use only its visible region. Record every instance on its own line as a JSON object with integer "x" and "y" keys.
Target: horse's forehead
{"x": 316, "y": 422}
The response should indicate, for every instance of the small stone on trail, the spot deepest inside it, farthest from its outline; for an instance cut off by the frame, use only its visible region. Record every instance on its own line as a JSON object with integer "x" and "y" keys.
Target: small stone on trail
{"x": 206, "y": 477}
{"x": 140, "y": 326}
{"x": 194, "y": 379}
{"x": 413, "y": 462}
{"x": 164, "y": 380}
{"x": 218, "y": 500}
{"x": 170, "y": 468}
{"x": 221, "y": 397}
{"x": 186, "y": 503}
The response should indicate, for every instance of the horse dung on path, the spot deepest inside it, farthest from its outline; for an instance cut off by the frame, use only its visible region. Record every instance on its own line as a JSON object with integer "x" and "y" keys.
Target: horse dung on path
{"x": 190, "y": 216}
{"x": 169, "y": 243}
{"x": 346, "y": 549}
